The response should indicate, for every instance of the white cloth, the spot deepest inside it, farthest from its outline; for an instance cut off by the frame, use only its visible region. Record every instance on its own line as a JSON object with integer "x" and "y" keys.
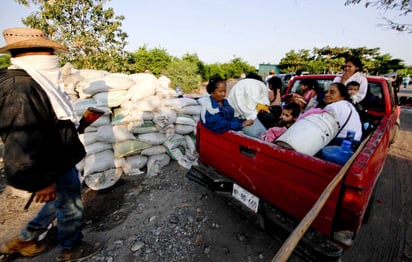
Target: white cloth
{"x": 45, "y": 71}
{"x": 341, "y": 110}
{"x": 363, "y": 85}
{"x": 206, "y": 103}
{"x": 245, "y": 95}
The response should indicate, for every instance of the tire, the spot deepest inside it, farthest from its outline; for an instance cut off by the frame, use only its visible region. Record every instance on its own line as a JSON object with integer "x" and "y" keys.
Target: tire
{"x": 395, "y": 133}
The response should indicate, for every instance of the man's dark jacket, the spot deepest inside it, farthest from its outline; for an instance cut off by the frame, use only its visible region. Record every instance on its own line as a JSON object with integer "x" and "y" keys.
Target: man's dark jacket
{"x": 37, "y": 146}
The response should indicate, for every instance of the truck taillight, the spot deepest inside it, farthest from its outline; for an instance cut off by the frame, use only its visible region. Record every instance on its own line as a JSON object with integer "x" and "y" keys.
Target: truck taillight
{"x": 349, "y": 216}
{"x": 353, "y": 200}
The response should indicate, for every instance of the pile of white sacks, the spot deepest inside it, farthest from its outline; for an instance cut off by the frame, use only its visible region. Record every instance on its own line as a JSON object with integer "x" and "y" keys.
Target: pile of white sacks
{"x": 144, "y": 127}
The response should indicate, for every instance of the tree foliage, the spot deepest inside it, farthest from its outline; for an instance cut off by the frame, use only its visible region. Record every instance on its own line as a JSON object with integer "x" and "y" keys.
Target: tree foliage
{"x": 4, "y": 61}
{"x": 402, "y": 7}
{"x": 331, "y": 59}
{"x": 184, "y": 73}
{"x": 155, "y": 60}
{"x": 92, "y": 33}
{"x": 233, "y": 69}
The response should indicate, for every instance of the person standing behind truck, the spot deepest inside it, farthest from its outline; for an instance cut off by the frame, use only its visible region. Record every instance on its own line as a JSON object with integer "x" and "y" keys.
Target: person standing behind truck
{"x": 216, "y": 113}
{"x": 406, "y": 81}
{"x": 353, "y": 72}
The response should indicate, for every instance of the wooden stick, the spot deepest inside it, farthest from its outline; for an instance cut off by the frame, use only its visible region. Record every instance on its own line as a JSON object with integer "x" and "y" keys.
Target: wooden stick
{"x": 29, "y": 201}
{"x": 291, "y": 242}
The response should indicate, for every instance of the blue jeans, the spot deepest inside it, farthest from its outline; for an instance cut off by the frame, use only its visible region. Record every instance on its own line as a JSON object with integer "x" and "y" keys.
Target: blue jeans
{"x": 67, "y": 208}
{"x": 254, "y": 130}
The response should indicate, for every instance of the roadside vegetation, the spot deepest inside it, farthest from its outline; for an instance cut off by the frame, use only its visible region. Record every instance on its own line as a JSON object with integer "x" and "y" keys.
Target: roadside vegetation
{"x": 96, "y": 41}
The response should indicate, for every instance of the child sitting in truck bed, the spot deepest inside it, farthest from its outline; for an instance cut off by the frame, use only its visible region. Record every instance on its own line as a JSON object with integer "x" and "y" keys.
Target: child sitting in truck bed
{"x": 217, "y": 114}
{"x": 290, "y": 113}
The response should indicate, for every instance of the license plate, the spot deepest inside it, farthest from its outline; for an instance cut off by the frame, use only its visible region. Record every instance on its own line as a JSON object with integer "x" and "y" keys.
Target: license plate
{"x": 247, "y": 198}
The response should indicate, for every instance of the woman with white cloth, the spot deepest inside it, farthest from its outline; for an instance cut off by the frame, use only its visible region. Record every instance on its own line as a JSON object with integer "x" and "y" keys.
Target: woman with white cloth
{"x": 337, "y": 100}
{"x": 353, "y": 72}
{"x": 248, "y": 97}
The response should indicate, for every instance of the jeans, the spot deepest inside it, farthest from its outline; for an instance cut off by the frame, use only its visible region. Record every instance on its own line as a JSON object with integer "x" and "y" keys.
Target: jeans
{"x": 254, "y": 130}
{"x": 67, "y": 208}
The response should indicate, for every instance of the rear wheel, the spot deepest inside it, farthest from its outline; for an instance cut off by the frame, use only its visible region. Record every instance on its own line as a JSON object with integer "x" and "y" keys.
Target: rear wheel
{"x": 395, "y": 133}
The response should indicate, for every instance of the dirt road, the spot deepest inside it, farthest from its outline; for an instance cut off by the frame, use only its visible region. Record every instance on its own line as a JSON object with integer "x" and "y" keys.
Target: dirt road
{"x": 169, "y": 218}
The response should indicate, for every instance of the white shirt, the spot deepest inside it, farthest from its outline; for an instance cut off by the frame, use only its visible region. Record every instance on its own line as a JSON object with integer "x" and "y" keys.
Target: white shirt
{"x": 341, "y": 110}
{"x": 363, "y": 85}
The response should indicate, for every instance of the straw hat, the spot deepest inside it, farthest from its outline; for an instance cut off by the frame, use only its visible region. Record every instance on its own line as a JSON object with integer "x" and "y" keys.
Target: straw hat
{"x": 18, "y": 38}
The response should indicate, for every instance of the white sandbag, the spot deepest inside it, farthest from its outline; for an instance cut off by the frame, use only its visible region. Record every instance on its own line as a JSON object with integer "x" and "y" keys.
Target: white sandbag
{"x": 103, "y": 180}
{"x": 175, "y": 141}
{"x": 88, "y": 138}
{"x": 90, "y": 129}
{"x": 91, "y": 73}
{"x": 155, "y": 163}
{"x": 190, "y": 110}
{"x": 186, "y": 162}
{"x": 149, "y": 103}
{"x": 152, "y": 138}
{"x": 112, "y": 98}
{"x": 147, "y": 115}
{"x": 176, "y": 153}
{"x": 177, "y": 103}
{"x": 113, "y": 133}
{"x": 185, "y": 120}
{"x": 131, "y": 162}
{"x": 98, "y": 147}
{"x": 127, "y": 168}
{"x": 154, "y": 150}
{"x": 129, "y": 147}
{"x": 103, "y": 120}
{"x": 146, "y": 127}
{"x": 80, "y": 167}
{"x": 82, "y": 104}
{"x": 98, "y": 162}
{"x": 123, "y": 115}
{"x": 164, "y": 117}
{"x": 190, "y": 143}
{"x": 107, "y": 83}
{"x": 145, "y": 86}
{"x": 168, "y": 130}
{"x": 165, "y": 92}
{"x": 184, "y": 129}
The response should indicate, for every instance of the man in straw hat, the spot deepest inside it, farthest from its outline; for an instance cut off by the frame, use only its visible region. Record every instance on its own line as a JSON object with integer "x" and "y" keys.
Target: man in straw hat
{"x": 41, "y": 144}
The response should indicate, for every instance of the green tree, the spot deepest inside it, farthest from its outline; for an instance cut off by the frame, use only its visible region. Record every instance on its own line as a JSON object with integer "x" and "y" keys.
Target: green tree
{"x": 331, "y": 59}
{"x": 402, "y": 7}
{"x": 236, "y": 67}
{"x": 184, "y": 73}
{"x": 212, "y": 70}
{"x": 156, "y": 60}
{"x": 4, "y": 61}
{"x": 92, "y": 33}
{"x": 294, "y": 60}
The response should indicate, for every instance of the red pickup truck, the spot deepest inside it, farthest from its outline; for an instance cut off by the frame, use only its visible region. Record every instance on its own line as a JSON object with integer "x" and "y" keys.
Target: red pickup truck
{"x": 281, "y": 185}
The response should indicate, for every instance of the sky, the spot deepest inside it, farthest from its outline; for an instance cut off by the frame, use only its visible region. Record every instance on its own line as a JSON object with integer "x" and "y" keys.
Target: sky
{"x": 258, "y": 32}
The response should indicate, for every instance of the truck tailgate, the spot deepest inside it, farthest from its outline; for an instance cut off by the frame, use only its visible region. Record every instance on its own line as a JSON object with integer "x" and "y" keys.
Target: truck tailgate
{"x": 289, "y": 180}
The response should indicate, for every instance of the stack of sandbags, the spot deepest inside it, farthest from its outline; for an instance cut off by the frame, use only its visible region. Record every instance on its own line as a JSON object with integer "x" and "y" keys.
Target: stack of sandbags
{"x": 145, "y": 126}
